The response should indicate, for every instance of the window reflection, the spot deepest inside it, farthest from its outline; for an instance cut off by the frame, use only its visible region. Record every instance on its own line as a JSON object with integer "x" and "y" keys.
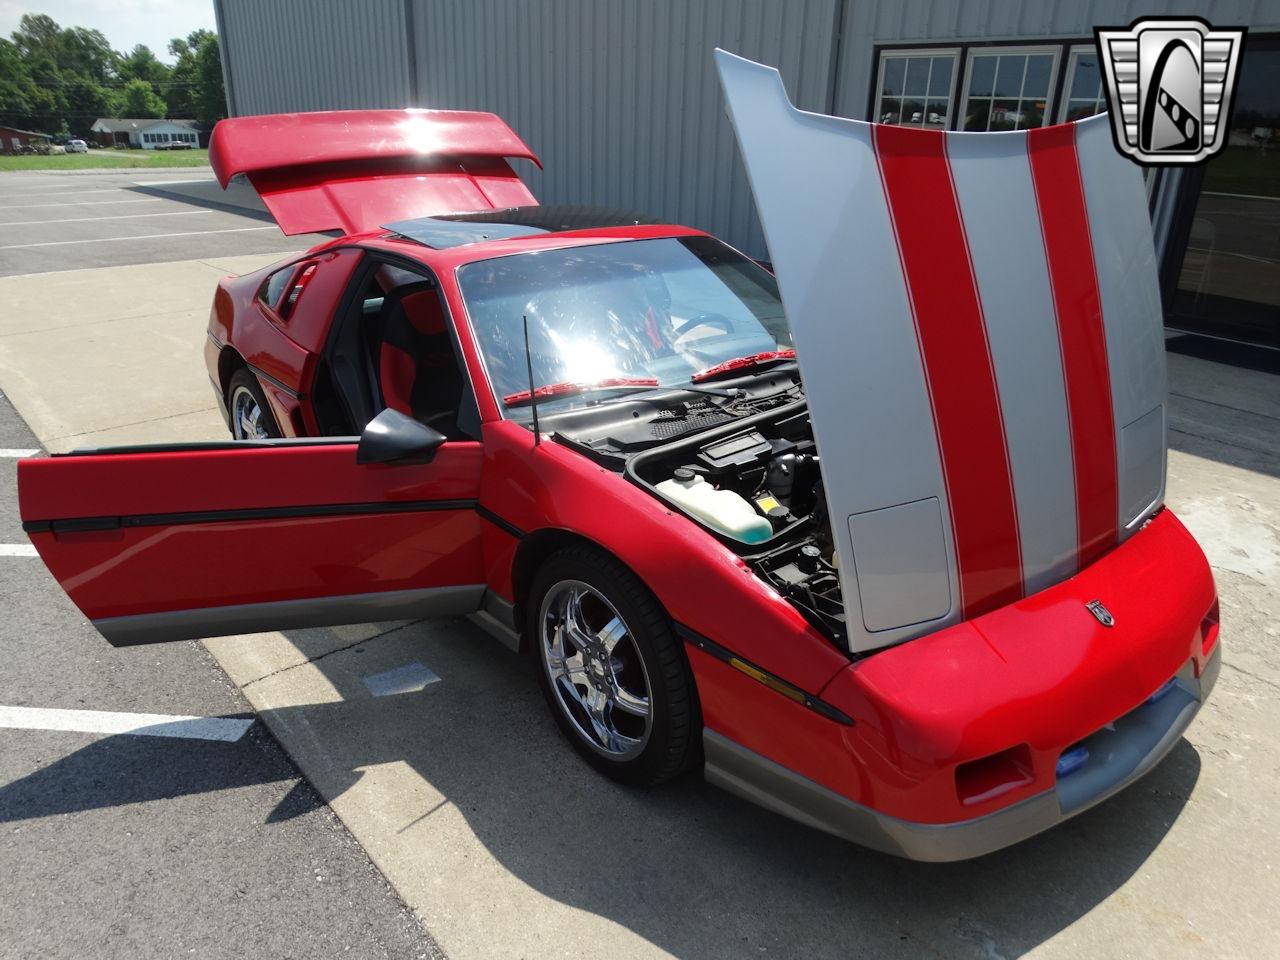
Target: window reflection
{"x": 1229, "y": 284}
{"x": 1008, "y": 91}
{"x": 1086, "y": 95}
{"x": 915, "y": 89}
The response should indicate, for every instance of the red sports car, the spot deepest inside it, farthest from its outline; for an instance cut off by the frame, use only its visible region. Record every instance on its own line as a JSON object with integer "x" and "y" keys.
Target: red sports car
{"x": 914, "y": 586}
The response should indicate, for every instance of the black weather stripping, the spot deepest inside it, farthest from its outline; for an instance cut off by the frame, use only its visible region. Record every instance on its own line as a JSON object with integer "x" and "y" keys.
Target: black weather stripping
{"x": 760, "y": 675}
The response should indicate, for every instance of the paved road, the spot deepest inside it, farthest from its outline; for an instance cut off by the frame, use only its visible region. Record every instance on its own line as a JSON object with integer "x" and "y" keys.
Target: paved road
{"x": 71, "y": 220}
{"x": 143, "y": 846}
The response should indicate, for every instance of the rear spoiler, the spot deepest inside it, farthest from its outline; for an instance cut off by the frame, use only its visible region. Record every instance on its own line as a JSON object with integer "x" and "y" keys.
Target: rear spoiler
{"x": 352, "y": 170}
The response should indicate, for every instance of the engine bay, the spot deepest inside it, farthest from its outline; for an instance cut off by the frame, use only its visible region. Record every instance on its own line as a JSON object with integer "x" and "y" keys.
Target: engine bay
{"x": 738, "y": 459}
{"x": 756, "y": 485}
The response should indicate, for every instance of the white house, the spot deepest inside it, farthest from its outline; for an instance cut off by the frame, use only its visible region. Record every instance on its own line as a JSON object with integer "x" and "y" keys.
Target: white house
{"x": 145, "y": 133}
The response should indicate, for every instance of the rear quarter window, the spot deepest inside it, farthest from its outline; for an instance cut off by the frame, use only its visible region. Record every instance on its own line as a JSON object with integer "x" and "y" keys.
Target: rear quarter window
{"x": 270, "y": 292}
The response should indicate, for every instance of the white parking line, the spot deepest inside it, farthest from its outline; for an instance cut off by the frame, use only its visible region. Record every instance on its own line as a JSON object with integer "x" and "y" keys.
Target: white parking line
{"x": 227, "y": 729}
{"x": 114, "y": 216}
{"x": 67, "y": 193}
{"x": 145, "y": 236}
{"x": 17, "y": 550}
{"x": 118, "y": 216}
{"x": 16, "y": 454}
{"x": 81, "y": 203}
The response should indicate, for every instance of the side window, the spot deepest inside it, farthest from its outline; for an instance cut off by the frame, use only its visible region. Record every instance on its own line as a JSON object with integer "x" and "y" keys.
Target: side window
{"x": 398, "y": 330}
{"x": 300, "y": 281}
{"x": 271, "y": 291}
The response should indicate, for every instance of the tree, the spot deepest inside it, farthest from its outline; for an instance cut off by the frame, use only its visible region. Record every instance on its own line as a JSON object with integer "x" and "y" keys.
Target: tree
{"x": 20, "y": 98}
{"x": 37, "y": 33}
{"x": 196, "y": 90}
{"x": 85, "y": 101}
{"x": 56, "y": 79}
{"x": 88, "y": 53}
{"x": 139, "y": 99}
{"x": 141, "y": 64}
{"x": 210, "y": 98}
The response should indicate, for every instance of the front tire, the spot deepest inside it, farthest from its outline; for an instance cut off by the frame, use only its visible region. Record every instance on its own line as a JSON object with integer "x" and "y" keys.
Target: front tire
{"x": 251, "y": 417}
{"x": 614, "y": 675}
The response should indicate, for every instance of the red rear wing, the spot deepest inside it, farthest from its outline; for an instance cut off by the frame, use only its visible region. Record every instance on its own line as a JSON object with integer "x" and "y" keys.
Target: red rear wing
{"x": 354, "y": 170}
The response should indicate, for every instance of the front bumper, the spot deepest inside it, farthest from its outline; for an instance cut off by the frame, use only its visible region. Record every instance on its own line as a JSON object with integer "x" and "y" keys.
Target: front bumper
{"x": 1119, "y": 754}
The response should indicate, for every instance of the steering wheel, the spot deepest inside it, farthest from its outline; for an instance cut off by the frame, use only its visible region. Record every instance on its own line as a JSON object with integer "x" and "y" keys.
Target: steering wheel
{"x": 705, "y": 319}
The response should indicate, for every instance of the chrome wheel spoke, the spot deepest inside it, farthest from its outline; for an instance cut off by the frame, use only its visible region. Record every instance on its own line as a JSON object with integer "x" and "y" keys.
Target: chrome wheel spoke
{"x": 575, "y": 627}
{"x": 609, "y": 635}
{"x": 628, "y": 702}
{"x": 597, "y": 706}
{"x": 575, "y": 671}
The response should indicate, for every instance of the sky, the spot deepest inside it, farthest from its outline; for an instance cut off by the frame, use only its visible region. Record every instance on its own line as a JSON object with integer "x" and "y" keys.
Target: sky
{"x": 125, "y": 23}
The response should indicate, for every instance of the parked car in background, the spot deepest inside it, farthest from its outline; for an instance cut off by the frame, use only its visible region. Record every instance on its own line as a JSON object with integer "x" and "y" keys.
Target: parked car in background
{"x": 77, "y": 146}
{"x": 591, "y": 432}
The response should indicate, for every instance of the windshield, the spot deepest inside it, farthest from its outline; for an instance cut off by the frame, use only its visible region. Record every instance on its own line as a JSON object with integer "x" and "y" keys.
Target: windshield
{"x": 640, "y": 309}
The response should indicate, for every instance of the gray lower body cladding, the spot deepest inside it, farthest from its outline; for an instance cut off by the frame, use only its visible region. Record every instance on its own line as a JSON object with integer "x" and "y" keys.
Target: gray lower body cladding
{"x": 1138, "y": 742}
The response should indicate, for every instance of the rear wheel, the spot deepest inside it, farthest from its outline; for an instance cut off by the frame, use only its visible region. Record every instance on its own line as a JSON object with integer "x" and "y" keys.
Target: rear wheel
{"x": 251, "y": 418}
{"x": 613, "y": 673}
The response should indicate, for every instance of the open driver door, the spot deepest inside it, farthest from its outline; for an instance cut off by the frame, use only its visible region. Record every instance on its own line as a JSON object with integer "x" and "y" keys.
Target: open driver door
{"x": 206, "y": 539}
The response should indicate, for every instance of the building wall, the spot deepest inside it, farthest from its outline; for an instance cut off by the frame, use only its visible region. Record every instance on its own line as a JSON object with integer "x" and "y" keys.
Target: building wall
{"x": 11, "y": 140}
{"x": 887, "y": 22}
{"x": 619, "y": 97}
{"x": 291, "y": 55}
{"x": 138, "y": 138}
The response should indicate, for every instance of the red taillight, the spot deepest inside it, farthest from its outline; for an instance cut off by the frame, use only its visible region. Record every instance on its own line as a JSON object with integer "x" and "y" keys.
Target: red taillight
{"x": 980, "y": 780}
{"x": 1209, "y": 629}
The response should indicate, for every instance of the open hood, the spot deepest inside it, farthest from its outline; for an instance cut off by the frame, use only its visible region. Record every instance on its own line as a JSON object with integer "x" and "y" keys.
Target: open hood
{"x": 978, "y": 324}
{"x": 352, "y": 170}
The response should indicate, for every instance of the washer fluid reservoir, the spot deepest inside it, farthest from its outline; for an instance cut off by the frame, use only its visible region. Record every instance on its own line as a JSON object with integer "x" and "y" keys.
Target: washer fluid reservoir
{"x": 722, "y": 510}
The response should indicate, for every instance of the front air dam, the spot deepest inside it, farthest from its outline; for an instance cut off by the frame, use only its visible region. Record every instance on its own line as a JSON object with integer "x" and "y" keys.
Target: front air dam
{"x": 1041, "y": 704}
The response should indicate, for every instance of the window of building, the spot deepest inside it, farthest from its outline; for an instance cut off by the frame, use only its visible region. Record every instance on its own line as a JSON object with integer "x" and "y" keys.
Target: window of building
{"x": 1083, "y": 93}
{"x": 1008, "y": 88}
{"x": 916, "y": 88}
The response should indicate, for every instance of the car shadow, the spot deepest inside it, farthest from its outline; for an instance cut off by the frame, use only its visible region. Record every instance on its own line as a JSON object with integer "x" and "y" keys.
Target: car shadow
{"x": 125, "y": 769}
{"x": 693, "y": 870}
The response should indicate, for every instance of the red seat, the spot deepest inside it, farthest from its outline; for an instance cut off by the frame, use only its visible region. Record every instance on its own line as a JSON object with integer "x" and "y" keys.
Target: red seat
{"x": 416, "y": 363}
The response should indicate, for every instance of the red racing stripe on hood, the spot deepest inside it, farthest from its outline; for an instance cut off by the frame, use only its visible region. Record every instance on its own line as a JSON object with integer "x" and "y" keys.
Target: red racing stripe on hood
{"x": 1064, "y": 219}
{"x": 957, "y": 358}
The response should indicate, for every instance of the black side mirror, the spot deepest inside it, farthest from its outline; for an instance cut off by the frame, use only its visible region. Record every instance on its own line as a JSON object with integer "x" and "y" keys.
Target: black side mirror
{"x": 391, "y": 437}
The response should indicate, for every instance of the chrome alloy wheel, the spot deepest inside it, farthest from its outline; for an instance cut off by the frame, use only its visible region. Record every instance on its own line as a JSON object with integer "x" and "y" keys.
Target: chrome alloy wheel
{"x": 246, "y": 416}
{"x": 595, "y": 669}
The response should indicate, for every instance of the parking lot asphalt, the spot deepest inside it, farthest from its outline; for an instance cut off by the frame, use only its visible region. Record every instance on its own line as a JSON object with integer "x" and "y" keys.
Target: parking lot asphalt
{"x": 158, "y": 846}
{"x": 75, "y": 219}
{"x": 505, "y": 845}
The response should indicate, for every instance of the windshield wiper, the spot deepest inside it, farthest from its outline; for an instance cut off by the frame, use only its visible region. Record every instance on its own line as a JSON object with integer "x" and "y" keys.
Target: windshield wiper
{"x": 749, "y": 362}
{"x": 568, "y": 388}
